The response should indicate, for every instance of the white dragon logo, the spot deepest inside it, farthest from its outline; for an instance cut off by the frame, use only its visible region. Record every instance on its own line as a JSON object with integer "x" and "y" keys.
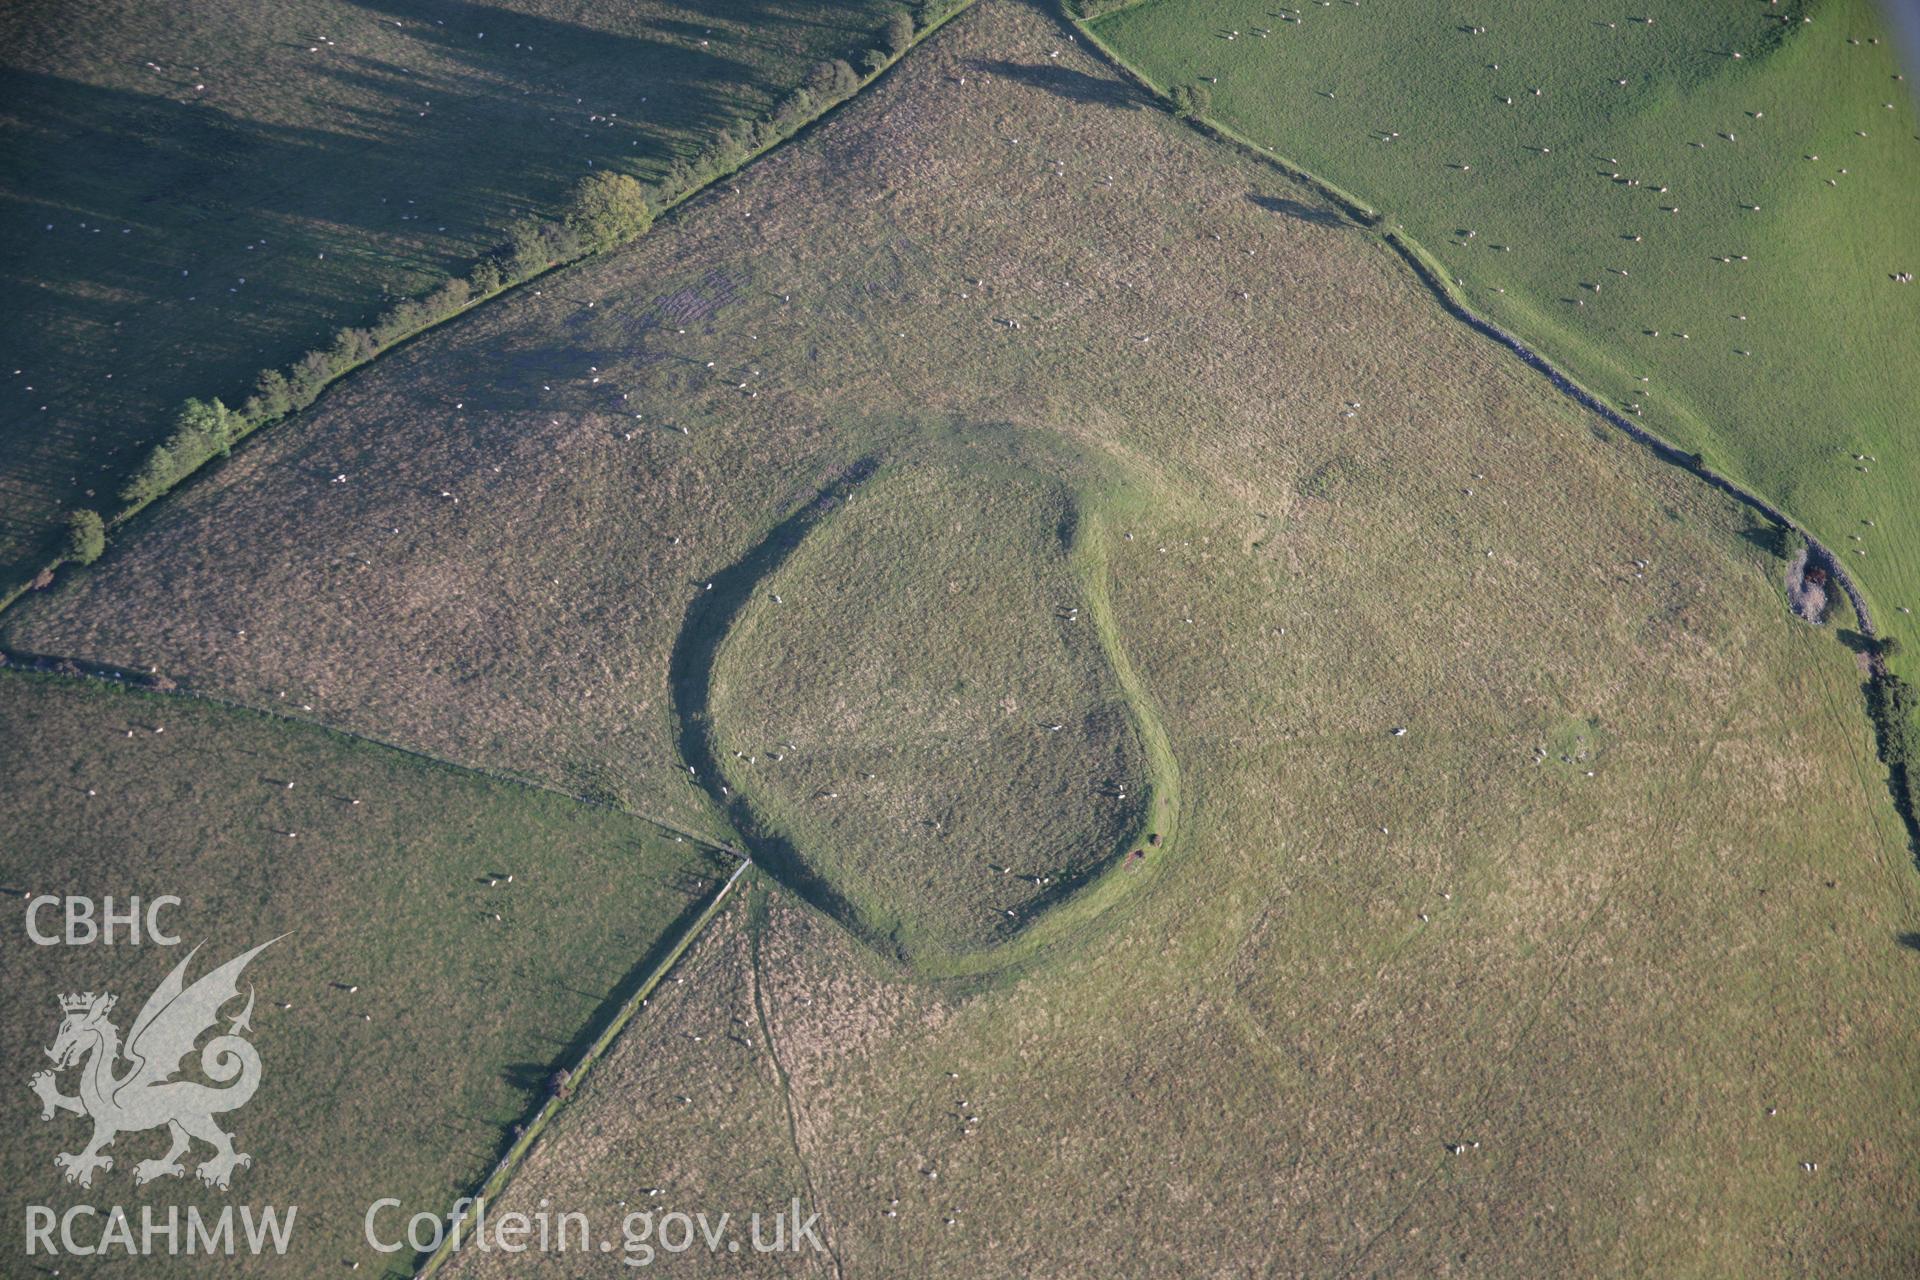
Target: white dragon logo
{"x": 146, "y": 1096}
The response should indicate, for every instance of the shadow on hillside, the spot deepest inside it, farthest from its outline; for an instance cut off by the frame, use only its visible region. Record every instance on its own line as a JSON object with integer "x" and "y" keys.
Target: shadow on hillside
{"x": 1064, "y": 82}
{"x": 1299, "y": 211}
{"x": 175, "y": 233}
{"x": 698, "y": 891}
{"x": 1769, "y": 537}
{"x": 712, "y": 615}
{"x": 1855, "y": 641}
{"x": 533, "y": 1076}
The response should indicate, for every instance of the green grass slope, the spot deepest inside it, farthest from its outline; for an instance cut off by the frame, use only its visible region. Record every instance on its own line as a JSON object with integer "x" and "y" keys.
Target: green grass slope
{"x": 403, "y": 1030}
{"x": 1629, "y": 879}
{"x": 953, "y": 770}
{"x": 1266, "y": 1068}
{"x": 1711, "y": 244}
{"x": 194, "y": 194}
{"x": 495, "y": 546}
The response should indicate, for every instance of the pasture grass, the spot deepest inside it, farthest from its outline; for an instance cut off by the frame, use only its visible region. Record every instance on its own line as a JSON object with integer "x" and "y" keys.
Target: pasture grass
{"x": 466, "y": 1016}
{"x": 191, "y": 197}
{"x": 953, "y": 771}
{"x": 1791, "y": 169}
{"x": 1348, "y": 515}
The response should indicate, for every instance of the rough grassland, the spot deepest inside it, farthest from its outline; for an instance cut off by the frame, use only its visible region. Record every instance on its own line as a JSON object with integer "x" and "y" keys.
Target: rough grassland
{"x": 1758, "y": 322}
{"x": 969, "y": 764}
{"x": 1627, "y": 955}
{"x": 466, "y": 1015}
{"x": 194, "y": 193}
{"x": 1265, "y": 1080}
{"x": 689, "y": 1099}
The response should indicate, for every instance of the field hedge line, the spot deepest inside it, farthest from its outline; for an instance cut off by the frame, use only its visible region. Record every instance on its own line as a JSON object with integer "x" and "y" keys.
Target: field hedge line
{"x": 1892, "y": 704}
{"x": 1088, "y": 10}
{"x": 603, "y": 211}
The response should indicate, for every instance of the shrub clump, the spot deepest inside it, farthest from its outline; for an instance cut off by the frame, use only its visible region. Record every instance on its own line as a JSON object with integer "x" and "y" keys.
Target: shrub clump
{"x": 86, "y": 536}
{"x": 1891, "y": 702}
{"x": 897, "y": 35}
{"x": 607, "y": 209}
{"x": 202, "y": 429}
{"x": 1192, "y": 101}
{"x": 832, "y": 80}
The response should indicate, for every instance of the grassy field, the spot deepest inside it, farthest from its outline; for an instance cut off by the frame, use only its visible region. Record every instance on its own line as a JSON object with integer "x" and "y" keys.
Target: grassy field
{"x": 1636, "y": 1053}
{"x": 194, "y": 195}
{"x": 690, "y": 1099}
{"x": 1629, "y": 878}
{"x": 403, "y": 1029}
{"x": 1699, "y": 209}
{"x": 952, "y": 771}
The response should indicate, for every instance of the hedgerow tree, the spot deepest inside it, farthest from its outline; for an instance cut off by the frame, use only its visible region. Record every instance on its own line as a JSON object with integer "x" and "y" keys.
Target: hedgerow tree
{"x": 201, "y": 429}
{"x": 1192, "y": 101}
{"x": 898, "y": 33}
{"x": 793, "y": 108}
{"x": 1891, "y": 701}
{"x": 271, "y": 394}
{"x": 607, "y": 209}
{"x": 153, "y": 478}
{"x": 86, "y": 536}
{"x": 831, "y": 81}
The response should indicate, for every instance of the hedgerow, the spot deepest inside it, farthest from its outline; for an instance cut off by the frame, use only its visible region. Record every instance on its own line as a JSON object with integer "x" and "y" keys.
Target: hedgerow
{"x": 602, "y": 212}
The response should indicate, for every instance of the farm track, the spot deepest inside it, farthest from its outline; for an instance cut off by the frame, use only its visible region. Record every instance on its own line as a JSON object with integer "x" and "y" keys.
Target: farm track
{"x": 756, "y": 927}
{"x": 502, "y": 1173}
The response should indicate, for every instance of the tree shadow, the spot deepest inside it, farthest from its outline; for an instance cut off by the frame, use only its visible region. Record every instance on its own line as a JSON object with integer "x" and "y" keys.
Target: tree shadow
{"x": 1855, "y": 641}
{"x": 1064, "y": 82}
{"x": 176, "y": 231}
{"x": 1910, "y": 940}
{"x": 1299, "y": 210}
{"x": 526, "y": 1076}
{"x": 1770, "y": 538}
